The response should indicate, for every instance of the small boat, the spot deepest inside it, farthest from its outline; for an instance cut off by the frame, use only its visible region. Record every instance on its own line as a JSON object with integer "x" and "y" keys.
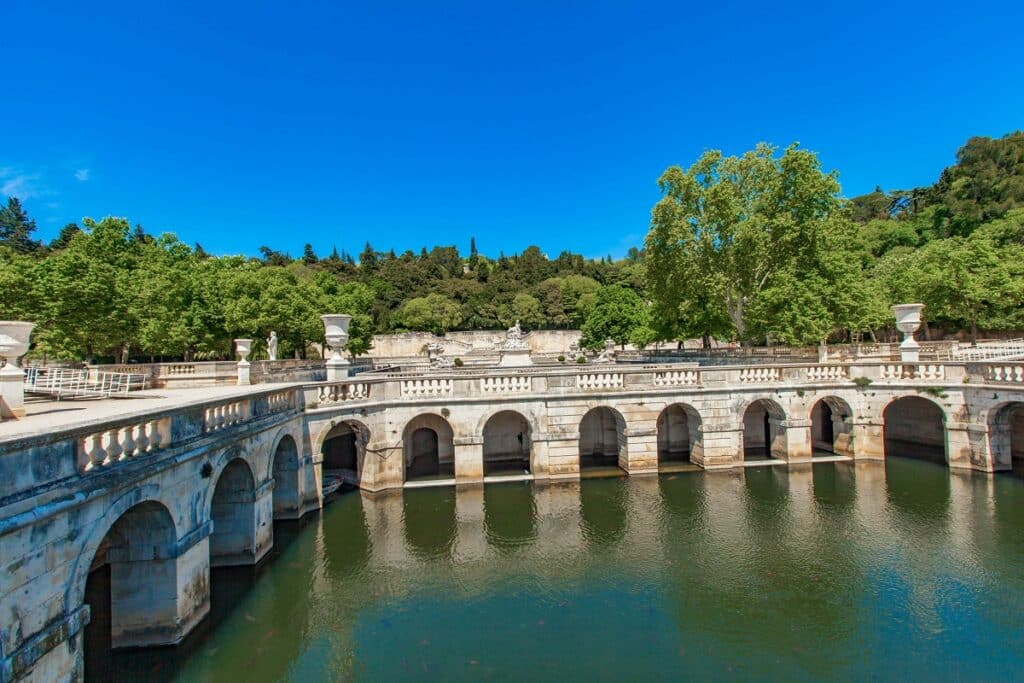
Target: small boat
{"x": 332, "y": 483}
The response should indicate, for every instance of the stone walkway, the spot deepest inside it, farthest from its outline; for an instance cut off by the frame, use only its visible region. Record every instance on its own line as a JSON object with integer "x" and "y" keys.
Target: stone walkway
{"x": 46, "y": 415}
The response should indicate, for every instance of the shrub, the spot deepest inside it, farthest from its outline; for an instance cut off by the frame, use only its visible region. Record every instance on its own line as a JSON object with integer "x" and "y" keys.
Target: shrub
{"x": 862, "y": 382}
{"x": 561, "y": 359}
{"x": 458, "y": 362}
{"x": 581, "y": 360}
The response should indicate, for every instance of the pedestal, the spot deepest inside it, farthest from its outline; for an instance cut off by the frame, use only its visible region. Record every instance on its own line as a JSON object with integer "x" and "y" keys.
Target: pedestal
{"x": 12, "y": 392}
{"x": 243, "y": 372}
{"x": 515, "y": 358}
{"x": 337, "y": 369}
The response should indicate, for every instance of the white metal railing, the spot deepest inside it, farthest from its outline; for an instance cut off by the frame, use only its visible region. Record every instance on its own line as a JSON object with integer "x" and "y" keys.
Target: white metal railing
{"x": 69, "y": 383}
{"x": 1002, "y": 349}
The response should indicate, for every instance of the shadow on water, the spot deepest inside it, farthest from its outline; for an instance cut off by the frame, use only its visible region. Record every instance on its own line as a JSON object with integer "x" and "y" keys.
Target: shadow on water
{"x": 603, "y": 511}
{"x": 428, "y": 516}
{"x": 510, "y": 515}
{"x": 347, "y": 546}
{"x": 834, "y": 486}
{"x": 229, "y": 587}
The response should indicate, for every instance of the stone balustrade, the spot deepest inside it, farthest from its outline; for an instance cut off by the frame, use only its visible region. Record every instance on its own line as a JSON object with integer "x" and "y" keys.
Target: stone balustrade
{"x": 599, "y": 380}
{"x": 506, "y": 384}
{"x": 760, "y": 375}
{"x": 426, "y": 388}
{"x": 112, "y": 445}
{"x": 927, "y": 371}
{"x": 1004, "y": 373}
{"x": 827, "y": 373}
{"x": 345, "y": 392}
{"x": 676, "y": 378}
{"x": 226, "y": 415}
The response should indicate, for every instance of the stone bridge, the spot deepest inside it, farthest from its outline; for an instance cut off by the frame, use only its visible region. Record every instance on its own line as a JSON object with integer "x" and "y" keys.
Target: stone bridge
{"x": 155, "y": 497}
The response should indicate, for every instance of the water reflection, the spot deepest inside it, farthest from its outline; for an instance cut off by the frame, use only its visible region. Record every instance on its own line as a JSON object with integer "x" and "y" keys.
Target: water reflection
{"x": 827, "y": 571}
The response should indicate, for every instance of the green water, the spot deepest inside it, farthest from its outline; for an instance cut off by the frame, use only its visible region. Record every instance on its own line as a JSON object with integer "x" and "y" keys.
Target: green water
{"x": 893, "y": 572}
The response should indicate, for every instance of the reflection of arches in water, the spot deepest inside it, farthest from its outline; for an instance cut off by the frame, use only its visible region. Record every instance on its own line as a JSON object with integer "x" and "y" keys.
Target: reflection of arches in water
{"x": 428, "y": 448}
{"x": 428, "y": 517}
{"x": 507, "y": 443}
{"x": 915, "y": 427}
{"x": 602, "y": 438}
{"x": 679, "y": 433}
{"x": 133, "y": 570}
{"x": 347, "y": 545}
{"x": 1006, "y": 434}
{"x": 918, "y": 489}
{"x": 344, "y": 449}
{"x": 603, "y": 510}
{"x": 763, "y": 433}
{"x": 682, "y": 497}
{"x": 834, "y": 485}
{"x": 286, "y": 479}
{"x": 832, "y": 427}
{"x": 510, "y": 517}
{"x": 233, "y": 511}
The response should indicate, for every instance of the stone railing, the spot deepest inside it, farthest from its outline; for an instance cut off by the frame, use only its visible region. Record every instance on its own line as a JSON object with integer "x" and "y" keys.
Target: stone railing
{"x": 418, "y": 388}
{"x": 117, "y": 441}
{"x": 599, "y": 380}
{"x": 217, "y": 373}
{"x": 759, "y": 375}
{"x": 109, "y": 446}
{"x": 343, "y": 392}
{"x": 676, "y": 378}
{"x": 506, "y": 384}
{"x": 1004, "y": 373}
{"x": 827, "y": 373}
{"x": 927, "y": 371}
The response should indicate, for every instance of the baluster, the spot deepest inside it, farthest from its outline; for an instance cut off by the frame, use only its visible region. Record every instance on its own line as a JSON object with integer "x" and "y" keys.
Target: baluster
{"x": 128, "y": 443}
{"x": 141, "y": 440}
{"x": 113, "y": 448}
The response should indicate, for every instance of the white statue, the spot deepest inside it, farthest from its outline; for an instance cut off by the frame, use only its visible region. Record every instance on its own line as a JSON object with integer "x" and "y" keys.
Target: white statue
{"x": 514, "y": 337}
{"x": 574, "y": 351}
{"x": 608, "y": 355}
{"x": 435, "y": 354}
{"x": 272, "y": 345}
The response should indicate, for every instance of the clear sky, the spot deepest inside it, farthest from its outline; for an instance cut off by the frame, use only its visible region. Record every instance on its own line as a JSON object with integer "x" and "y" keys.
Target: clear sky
{"x": 419, "y": 123}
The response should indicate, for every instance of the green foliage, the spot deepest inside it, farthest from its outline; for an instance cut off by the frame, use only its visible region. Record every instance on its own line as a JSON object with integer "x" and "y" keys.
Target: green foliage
{"x": 433, "y": 313}
{"x": 458, "y": 362}
{"x": 16, "y": 228}
{"x": 862, "y": 382}
{"x": 617, "y": 314}
{"x": 580, "y": 360}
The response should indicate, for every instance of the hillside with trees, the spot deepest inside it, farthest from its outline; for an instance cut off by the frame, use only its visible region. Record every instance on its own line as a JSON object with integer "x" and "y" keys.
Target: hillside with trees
{"x": 761, "y": 248}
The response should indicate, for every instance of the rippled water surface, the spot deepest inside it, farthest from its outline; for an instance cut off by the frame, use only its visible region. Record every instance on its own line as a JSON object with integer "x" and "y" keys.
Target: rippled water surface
{"x": 899, "y": 571}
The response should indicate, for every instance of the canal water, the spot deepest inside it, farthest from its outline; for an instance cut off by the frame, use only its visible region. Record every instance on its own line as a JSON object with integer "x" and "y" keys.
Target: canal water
{"x": 901, "y": 571}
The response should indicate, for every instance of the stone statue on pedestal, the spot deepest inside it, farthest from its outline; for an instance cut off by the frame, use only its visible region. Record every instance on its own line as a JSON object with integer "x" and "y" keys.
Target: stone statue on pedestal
{"x": 514, "y": 337}
{"x": 272, "y": 345}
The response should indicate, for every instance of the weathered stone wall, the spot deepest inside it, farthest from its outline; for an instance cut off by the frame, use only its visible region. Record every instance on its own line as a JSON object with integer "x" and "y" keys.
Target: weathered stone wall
{"x": 458, "y": 344}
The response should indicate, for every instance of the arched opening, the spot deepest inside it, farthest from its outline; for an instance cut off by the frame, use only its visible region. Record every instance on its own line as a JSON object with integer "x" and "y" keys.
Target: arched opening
{"x": 429, "y": 449}
{"x": 1006, "y": 435}
{"x": 915, "y": 427}
{"x": 233, "y": 511}
{"x": 679, "y": 434}
{"x": 764, "y": 435}
{"x": 286, "y": 479}
{"x": 507, "y": 444}
{"x": 132, "y": 588}
{"x": 602, "y": 439}
{"x": 343, "y": 450}
{"x": 832, "y": 427}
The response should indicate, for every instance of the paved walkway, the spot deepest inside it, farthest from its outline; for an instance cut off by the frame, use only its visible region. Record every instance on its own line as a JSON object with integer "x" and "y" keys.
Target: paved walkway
{"x": 46, "y": 415}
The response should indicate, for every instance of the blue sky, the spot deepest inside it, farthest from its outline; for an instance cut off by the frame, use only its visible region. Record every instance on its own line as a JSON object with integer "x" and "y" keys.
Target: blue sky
{"x": 412, "y": 124}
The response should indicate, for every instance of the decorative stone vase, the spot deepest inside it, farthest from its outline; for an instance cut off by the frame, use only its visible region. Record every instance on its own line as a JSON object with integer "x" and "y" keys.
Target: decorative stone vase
{"x": 243, "y": 347}
{"x": 336, "y": 334}
{"x": 908, "y": 320}
{"x": 14, "y": 340}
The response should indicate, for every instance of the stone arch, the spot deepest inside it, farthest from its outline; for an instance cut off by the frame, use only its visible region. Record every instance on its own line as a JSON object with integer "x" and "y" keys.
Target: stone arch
{"x": 764, "y": 430}
{"x": 131, "y": 581}
{"x": 602, "y": 440}
{"x": 915, "y": 426}
{"x": 1006, "y": 433}
{"x": 344, "y": 449}
{"x": 428, "y": 448}
{"x": 233, "y": 513}
{"x": 679, "y": 433}
{"x": 832, "y": 426}
{"x": 507, "y": 443}
{"x": 285, "y": 473}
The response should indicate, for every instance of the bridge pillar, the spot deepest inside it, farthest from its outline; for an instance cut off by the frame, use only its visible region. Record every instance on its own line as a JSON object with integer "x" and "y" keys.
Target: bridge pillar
{"x": 383, "y": 467}
{"x": 146, "y": 608}
{"x": 469, "y": 459}
{"x": 563, "y": 457}
{"x": 797, "y": 440}
{"x": 243, "y": 527}
{"x": 721, "y": 446}
{"x": 640, "y": 452}
{"x": 868, "y": 440}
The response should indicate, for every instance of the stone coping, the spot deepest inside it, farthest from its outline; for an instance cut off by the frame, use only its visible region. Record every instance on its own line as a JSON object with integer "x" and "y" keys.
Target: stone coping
{"x": 46, "y": 417}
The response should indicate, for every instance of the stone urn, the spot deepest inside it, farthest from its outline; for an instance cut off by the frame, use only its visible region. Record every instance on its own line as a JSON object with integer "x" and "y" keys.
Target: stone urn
{"x": 14, "y": 340}
{"x": 336, "y": 334}
{"x": 908, "y": 320}
{"x": 243, "y": 347}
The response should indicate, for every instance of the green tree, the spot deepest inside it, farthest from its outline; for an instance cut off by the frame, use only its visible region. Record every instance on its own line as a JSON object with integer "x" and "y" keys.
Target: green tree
{"x": 617, "y": 314}
{"x": 16, "y": 228}
{"x": 523, "y": 308}
{"x": 434, "y": 313}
